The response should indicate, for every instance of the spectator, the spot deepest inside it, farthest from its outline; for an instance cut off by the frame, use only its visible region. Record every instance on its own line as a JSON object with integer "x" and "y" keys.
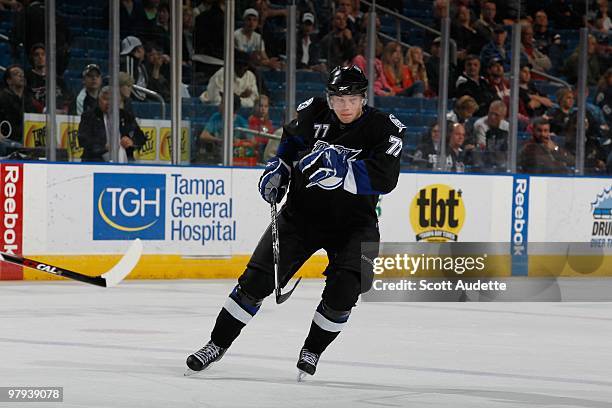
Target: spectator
{"x": 468, "y": 39}
{"x": 260, "y": 121}
{"x": 456, "y": 155}
{"x": 272, "y": 25}
{"x": 211, "y": 137}
{"x": 132, "y": 62}
{"x": 36, "y": 81}
{"x": 159, "y": 34}
{"x": 593, "y": 64}
{"x": 471, "y": 83}
{"x": 398, "y": 74}
{"x": 381, "y": 86}
{"x": 491, "y": 136}
{"x": 157, "y": 82}
{"x": 352, "y": 22}
{"x": 559, "y": 116}
{"x": 532, "y": 102}
{"x": 603, "y": 96}
{"x": 433, "y": 67}
{"x": 13, "y": 5}
{"x": 209, "y": 21}
{"x": 188, "y": 26}
{"x": 498, "y": 84}
{"x": 541, "y": 155}
{"x": 594, "y": 155}
{"x": 535, "y": 57}
{"x": 485, "y": 25}
{"x": 131, "y": 15}
{"x": 338, "y": 46}
{"x": 546, "y": 41}
{"x": 94, "y": 132}
{"x": 29, "y": 30}
{"x": 251, "y": 42}
{"x": 497, "y": 48}
{"x": 564, "y": 15}
{"x": 14, "y": 100}
{"x": 245, "y": 84}
{"x": 464, "y": 109}
{"x": 427, "y": 153}
{"x": 308, "y": 53}
{"x": 126, "y": 84}
{"x": 88, "y": 97}
{"x": 148, "y": 22}
{"x": 603, "y": 13}
{"x": 416, "y": 65}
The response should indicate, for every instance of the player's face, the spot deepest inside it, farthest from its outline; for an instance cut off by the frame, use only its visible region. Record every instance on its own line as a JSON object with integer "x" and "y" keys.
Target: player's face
{"x": 346, "y": 107}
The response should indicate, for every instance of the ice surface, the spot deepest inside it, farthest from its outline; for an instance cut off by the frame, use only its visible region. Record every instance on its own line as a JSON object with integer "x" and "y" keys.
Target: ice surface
{"x": 126, "y": 347}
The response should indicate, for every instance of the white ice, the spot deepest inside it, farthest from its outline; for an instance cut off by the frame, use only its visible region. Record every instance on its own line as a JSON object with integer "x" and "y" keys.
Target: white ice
{"x": 126, "y": 347}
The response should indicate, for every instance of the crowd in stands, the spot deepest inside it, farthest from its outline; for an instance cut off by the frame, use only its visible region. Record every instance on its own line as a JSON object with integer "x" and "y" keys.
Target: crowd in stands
{"x": 331, "y": 33}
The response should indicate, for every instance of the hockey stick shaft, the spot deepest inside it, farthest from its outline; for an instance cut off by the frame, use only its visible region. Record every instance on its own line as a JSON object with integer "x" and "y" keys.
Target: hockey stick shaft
{"x": 108, "y": 279}
{"x": 280, "y": 297}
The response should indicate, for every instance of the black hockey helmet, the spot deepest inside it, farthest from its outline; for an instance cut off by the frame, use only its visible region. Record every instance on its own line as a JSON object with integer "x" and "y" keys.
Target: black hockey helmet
{"x": 347, "y": 81}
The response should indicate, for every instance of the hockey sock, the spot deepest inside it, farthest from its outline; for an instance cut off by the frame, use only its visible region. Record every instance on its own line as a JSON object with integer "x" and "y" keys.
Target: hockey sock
{"x": 325, "y": 327}
{"x": 238, "y": 310}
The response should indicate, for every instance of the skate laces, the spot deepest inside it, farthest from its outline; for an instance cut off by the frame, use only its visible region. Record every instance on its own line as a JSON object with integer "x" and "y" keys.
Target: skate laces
{"x": 209, "y": 352}
{"x": 309, "y": 357}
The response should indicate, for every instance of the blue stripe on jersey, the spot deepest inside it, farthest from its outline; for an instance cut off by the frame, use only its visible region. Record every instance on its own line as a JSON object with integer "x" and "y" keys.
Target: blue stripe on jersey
{"x": 250, "y": 309}
{"x": 362, "y": 179}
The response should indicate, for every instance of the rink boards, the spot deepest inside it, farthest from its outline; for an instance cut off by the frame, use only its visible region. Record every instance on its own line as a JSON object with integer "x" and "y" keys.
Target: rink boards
{"x": 203, "y": 222}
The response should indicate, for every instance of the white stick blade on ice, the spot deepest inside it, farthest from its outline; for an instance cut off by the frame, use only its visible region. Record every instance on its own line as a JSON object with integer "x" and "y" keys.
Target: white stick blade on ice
{"x": 125, "y": 264}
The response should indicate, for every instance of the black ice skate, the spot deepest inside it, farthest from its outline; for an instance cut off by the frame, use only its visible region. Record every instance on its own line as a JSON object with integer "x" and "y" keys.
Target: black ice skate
{"x": 307, "y": 364}
{"x": 204, "y": 357}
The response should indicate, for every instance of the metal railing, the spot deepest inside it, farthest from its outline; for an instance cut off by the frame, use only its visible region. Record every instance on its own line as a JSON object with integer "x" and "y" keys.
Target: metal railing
{"x": 155, "y": 95}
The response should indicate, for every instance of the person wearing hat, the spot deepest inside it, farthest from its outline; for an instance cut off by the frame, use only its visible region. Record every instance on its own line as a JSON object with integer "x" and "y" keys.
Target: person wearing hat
{"x": 497, "y": 48}
{"x": 36, "y": 81}
{"x": 251, "y": 42}
{"x": 308, "y": 52}
{"x": 132, "y": 62}
{"x": 499, "y": 85}
{"x": 245, "y": 83}
{"x": 88, "y": 96}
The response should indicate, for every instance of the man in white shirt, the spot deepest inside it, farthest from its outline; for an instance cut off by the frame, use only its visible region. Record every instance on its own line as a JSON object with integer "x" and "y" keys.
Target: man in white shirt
{"x": 491, "y": 135}
{"x": 245, "y": 84}
{"x": 251, "y": 42}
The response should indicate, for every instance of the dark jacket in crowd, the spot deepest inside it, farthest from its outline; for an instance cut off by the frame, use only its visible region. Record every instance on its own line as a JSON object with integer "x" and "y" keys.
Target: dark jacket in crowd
{"x": 11, "y": 111}
{"x": 92, "y": 134}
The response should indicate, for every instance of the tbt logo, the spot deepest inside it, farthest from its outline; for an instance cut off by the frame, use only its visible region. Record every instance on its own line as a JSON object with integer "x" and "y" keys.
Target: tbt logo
{"x": 437, "y": 213}
{"x": 129, "y": 206}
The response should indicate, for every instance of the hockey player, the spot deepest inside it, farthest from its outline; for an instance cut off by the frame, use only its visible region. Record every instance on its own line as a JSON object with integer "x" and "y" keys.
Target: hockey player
{"x": 334, "y": 159}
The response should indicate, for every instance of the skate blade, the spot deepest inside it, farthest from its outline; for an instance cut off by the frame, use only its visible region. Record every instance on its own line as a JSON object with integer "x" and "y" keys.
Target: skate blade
{"x": 301, "y": 375}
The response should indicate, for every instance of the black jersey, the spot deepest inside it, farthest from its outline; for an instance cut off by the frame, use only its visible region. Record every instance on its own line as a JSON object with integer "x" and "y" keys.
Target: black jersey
{"x": 373, "y": 144}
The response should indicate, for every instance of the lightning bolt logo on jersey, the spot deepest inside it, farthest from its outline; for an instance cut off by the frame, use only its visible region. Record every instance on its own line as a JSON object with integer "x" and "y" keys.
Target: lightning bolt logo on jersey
{"x": 330, "y": 176}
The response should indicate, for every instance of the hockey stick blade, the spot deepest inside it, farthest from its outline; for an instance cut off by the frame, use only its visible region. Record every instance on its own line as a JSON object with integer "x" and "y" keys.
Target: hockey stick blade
{"x": 281, "y": 297}
{"x": 125, "y": 265}
{"x": 106, "y": 280}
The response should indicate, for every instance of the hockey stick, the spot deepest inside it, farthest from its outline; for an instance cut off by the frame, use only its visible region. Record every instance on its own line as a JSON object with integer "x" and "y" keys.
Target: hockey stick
{"x": 280, "y": 297}
{"x": 106, "y": 280}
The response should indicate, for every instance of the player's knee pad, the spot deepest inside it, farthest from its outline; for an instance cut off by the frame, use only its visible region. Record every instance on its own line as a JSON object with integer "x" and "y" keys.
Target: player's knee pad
{"x": 241, "y": 305}
{"x": 329, "y": 319}
{"x": 342, "y": 289}
{"x": 257, "y": 283}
